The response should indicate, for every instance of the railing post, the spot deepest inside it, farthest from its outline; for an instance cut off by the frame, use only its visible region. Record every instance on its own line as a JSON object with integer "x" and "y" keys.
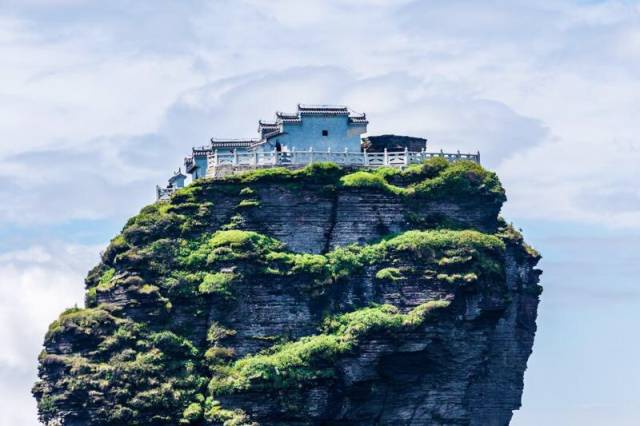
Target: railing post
{"x": 235, "y": 157}
{"x": 255, "y": 159}
{"x": 385, "y": 161}
{"x": 311, "y": 155}
{"x": 346, "y": 155}
{"x": 215, "y": 157}
{"x": 478, "y": 157}
{"x": 293, "y": 155}
{"x": 366, "y": 157}
{"x": 458, "y": 156}
{"x": 274, "y": 155}
{"x": 406, "y": 156}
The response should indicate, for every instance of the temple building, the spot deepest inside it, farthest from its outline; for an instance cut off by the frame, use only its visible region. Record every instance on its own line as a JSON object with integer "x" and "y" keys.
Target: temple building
{"x": 314, "y": 133}
{"x": 311, "y": 127}
{"x": 175, "y": 182}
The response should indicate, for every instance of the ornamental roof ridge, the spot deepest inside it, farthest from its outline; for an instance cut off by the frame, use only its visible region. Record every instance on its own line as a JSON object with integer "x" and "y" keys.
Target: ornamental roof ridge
{"x": 214, "y": 139}
{"x": 272, "y": 134}
{"x": 264, "y": 123}
{"x": 302, "y": 107}
{"x": 290, "y": 115}
{"x": 177, "y": 175}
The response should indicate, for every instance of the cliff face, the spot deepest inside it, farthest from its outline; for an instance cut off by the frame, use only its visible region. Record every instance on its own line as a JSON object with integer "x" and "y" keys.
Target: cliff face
{"x": 310, "y": 297}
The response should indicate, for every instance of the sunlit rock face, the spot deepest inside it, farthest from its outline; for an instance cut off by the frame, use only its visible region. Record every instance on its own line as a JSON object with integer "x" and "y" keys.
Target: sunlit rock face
{"x": 320, "y": 296}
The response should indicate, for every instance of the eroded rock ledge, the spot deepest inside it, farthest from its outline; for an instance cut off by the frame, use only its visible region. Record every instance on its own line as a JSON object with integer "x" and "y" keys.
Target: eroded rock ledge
{"x": 311, "y": 297}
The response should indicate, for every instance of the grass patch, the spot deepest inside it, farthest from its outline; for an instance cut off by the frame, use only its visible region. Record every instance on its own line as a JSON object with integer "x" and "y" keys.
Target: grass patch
{"x": 104, "y": 283}
{"x": 80, "y": 321}
{"x": 364, "y": 179}
{"x": 217, "y": 283}
{"x": 312, "y": 358}
{"x": 389, "y": 274}
{"x": 248, "y": 203}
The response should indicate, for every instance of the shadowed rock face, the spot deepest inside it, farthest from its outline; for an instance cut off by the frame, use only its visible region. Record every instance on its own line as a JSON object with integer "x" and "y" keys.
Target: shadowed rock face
{"x": 238, "y": 302}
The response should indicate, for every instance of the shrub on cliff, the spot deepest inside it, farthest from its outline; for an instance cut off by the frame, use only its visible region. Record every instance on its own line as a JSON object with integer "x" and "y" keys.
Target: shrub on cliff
{"x": 463, "y": 181}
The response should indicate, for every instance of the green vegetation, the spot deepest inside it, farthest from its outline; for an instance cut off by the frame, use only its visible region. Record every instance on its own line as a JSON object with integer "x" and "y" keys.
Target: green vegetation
{"x": 389, "y": 274}
{"x": 449, "y": 251}
{"x": 369, "y": 180}
{"x": 192, "y": 413}
{"x": 81, "y": 321}
{"x": 148, "y": 289}
{"x": 133, "y": 363}
{"x": 215, "y": 413}
{"x": 311, "y": 358}
{"x": 509, "y": 233}
{"x": 414, "y": 172}
{"x": 313, "y": 173}
{"x": 224, "y": 246}
{"x": 296, "y": 263}
{"x": 436, "y": 179}
{"x": 105, "y": 279}
{"x": 248, "y": 203}
{"x": 463, "y": 181}
{"x": 151, "y": 377}
{"x": 217, "y": 282}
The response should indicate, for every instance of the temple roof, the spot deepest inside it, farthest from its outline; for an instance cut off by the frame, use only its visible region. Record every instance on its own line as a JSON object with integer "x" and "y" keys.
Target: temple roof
{"x": 177, "y": 175}
{"x": 232, "y": 143}
{"x": 270, "y": 135}
{"x": 189, "y": 164}
{"x": 269, "y": 129}
{"x": 266, "y": 127}
{"x": 296, "y": 117}
{"x": 199, "y": 151}
{"x": 322, "y": 108}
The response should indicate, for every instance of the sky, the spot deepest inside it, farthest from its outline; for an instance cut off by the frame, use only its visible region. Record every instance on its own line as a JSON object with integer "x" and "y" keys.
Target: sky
{"x": 100, "y": 101}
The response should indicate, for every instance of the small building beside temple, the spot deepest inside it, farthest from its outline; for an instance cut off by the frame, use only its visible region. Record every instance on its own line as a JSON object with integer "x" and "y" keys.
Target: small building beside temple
{"x": 393, "y": 143}
{"x": 175, "y": 182}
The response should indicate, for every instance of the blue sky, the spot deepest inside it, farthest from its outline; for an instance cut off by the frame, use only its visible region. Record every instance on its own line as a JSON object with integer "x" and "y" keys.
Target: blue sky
{"x": 99, "y": 101}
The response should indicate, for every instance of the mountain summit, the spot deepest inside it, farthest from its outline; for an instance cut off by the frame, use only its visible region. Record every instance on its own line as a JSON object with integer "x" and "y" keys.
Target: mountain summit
{"x": 326, "y": 295}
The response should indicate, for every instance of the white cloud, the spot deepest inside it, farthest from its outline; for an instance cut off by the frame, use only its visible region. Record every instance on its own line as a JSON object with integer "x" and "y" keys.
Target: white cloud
{"x": 36, "y": 284}
{"x": 545, "y": 91}
{"x": 64, "y": 91}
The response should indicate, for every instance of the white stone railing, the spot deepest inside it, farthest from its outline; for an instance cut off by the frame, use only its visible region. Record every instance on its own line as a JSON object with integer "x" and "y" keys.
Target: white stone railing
{"x": 164, "y": 193}
{"x": 258, "y": 159}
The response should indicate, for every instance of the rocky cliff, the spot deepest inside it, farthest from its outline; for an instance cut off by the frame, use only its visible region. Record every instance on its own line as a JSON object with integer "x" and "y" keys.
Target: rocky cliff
{"x": 320, "y": 296}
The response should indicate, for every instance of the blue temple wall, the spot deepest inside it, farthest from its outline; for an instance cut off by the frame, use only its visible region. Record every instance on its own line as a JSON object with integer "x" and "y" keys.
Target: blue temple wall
{"x": 179, "y": 181}
{"x": 201, "y": 171}
{"x": 308, "y": 134}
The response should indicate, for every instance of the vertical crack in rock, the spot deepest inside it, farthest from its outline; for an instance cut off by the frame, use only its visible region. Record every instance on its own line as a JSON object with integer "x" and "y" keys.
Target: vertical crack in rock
{"x": 333, "y": 216}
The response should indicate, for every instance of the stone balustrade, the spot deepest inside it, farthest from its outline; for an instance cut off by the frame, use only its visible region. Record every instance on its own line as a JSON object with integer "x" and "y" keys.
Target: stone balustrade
{"x": 220, "y": 164}
{"x": 164, "y": 193}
